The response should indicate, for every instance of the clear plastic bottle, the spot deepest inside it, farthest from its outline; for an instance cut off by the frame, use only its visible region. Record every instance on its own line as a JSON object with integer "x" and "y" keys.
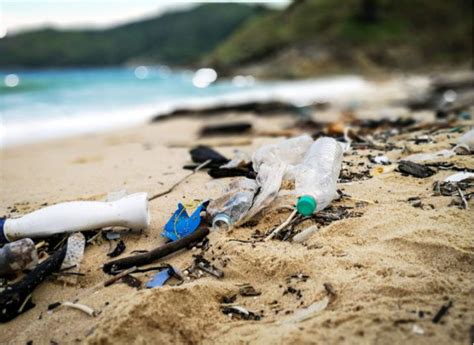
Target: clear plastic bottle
{"x": 233, "y": 205}
{"x": 316, "y": 177}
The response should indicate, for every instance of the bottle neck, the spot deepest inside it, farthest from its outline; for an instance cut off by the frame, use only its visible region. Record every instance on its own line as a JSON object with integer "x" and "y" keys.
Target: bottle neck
{"x": 221, "y": 221}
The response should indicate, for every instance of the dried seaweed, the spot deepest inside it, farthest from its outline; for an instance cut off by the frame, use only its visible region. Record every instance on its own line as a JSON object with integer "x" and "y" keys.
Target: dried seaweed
{"x": 16, "y": 298}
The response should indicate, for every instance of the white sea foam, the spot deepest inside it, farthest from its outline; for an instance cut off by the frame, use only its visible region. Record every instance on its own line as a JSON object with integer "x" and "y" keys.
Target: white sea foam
{"x": 337, "y": 89}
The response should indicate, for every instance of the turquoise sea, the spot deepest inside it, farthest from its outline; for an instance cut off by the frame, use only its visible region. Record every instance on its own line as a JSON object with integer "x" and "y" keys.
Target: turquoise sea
{"x": 43, "y": 104}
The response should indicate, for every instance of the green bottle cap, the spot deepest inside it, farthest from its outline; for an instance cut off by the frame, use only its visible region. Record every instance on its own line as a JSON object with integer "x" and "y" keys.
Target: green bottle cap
{"x": 306, "y": 205}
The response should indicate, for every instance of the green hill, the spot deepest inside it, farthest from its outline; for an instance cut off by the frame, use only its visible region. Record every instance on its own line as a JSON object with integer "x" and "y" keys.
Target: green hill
{"x": 316, "y": 36}
{"x": 174, "y": 38}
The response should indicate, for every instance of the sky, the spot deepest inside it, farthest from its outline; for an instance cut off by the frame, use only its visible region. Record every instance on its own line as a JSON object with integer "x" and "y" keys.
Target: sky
{"x": 21, "y": 15}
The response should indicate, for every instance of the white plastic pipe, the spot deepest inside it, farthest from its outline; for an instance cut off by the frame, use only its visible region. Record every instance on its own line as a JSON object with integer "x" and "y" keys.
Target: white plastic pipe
{"x": 129, "y": 212}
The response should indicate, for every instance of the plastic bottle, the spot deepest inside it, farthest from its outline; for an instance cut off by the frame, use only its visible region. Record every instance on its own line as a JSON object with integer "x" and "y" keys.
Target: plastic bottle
{"x": 129, "y": 212}
{"x": 18, "y": 256}
{"x": 228, "y": 209}
{"x": 316, "y": 177}
{"x": 273, "y": 162}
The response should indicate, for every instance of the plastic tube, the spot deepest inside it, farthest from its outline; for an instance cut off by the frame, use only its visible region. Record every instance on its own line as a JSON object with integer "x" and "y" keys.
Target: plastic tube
{"x": 129, "y": 212}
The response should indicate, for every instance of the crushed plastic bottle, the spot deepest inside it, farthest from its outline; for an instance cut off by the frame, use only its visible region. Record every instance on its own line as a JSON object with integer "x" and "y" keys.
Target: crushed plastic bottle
{"x": 273, "y": 163}
{"x": 316, "y": 177}
{"x": 228, "y": 209}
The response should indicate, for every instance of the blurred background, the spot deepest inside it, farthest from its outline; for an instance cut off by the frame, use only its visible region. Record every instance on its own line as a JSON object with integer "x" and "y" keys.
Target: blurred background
{"x": 78, "y": 66}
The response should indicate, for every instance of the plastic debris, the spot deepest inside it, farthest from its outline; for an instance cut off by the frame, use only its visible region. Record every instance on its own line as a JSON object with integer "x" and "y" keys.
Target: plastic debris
{"x": 230, "y": 208}
{"x": 458, "y": 177}
{"x": 129, "y": 212}
{"x": 241, "y": 159}
{"x": 305, "y": 234}
{"x": 160, "y": 278}
{"x": 467, "y": 139}
{"x": 316, "y": 178}
{"x": 383, "y": 160}
{"x": 421, "y": 157}
{"x": 82, "y": 307}
{"x": 310, "y": 311}
{"x": 181, "y": 224}
{"x": 74, "y": 254}
{"x": 17, "y": 256}
{"x": 273, "y": 162}
{"x": 417, "y": 329}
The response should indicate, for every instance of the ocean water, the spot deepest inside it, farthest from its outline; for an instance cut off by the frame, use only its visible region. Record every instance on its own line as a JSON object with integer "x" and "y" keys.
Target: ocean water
{"x": 42, "y": 104}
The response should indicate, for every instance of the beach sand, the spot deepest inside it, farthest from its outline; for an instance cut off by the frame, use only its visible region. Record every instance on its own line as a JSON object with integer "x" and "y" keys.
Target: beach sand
{"x": 392, "y": 265}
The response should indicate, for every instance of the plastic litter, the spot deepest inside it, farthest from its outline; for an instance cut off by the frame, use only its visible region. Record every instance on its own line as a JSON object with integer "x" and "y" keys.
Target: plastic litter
{"x": 74, "y": 254}
{"x": 316, "y": 178}
{"x": 82, "y": 307}
{"x": 305, "y": 234}
{"x": 273, "y": 162}
{"x": 309, "y": 312}
{"x": 467, "y": 139}
{"x": 458, "y": 177}
{"x": 228, "y": 209}
{"x": 380, "y": 160}
{"x": 181, "y": 224}
{"x": 160, "y": 278}
{"x": 17, "y": 256}
{"x": 241, "y": 159}
{"x": 421, "y": 157}
{"x": 129, "y": 212}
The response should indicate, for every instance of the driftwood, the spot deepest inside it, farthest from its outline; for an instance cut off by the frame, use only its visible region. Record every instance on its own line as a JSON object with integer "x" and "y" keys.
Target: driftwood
{"x": 115, "y": 266}
{"x": 453, "y": 81}
{"x": 263, "y": 107}
{"x": 238, "y": 128}
{"x": 415, "y": 169}
{"x": 16, "y": 299}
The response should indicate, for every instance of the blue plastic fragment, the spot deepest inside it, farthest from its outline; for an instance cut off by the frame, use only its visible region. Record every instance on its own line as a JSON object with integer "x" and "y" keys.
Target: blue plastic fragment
{"x": 180, "y": 224}
{"x": 160, "y": 278}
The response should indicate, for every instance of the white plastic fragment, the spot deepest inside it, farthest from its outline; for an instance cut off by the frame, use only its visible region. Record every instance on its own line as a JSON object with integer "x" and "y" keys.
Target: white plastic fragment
{"x": 311, "y": 311}
{"x": 458, "y": 177}
{"x": 305, "y": 234}
{"x": 381, "y": 160}
{"x": 467, "y": 139}
{"x": 418, "y": 330}
{"x": 74, "y": 254}
{"x": 82, "y": 307}
{"x": 420, "y": 157}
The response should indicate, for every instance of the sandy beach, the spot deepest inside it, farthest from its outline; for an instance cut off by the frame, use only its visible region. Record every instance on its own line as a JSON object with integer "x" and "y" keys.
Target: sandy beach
{"x": 385, "y": 269}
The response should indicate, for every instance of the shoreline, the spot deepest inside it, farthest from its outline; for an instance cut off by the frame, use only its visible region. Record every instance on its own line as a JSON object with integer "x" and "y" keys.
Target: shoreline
{"x": 339, "y": 90}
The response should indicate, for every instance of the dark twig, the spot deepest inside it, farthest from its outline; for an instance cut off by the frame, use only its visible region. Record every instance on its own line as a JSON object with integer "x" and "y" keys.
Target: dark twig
{"x": 169, "y": 190}
{"x": 16, "y": 299}
{"x": 155, "y": 254}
